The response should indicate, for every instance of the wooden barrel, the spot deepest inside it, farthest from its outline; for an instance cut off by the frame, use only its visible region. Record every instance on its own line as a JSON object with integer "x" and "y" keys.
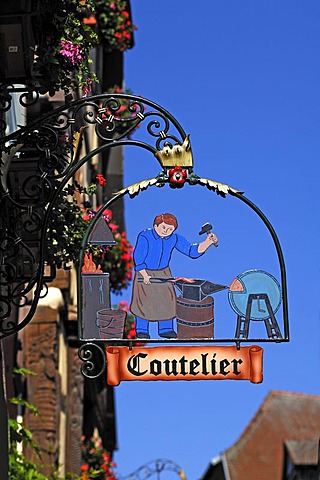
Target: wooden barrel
{"x": 195, "y": 319}
{"x": 111, "y": 323}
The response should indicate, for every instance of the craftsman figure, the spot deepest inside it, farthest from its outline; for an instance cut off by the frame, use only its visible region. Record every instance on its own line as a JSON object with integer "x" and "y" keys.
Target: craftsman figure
{"x": 156, "y": 302}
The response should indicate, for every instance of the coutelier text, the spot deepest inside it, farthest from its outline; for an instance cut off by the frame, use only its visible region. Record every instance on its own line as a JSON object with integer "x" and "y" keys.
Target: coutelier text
{"x": 138, "y": 366}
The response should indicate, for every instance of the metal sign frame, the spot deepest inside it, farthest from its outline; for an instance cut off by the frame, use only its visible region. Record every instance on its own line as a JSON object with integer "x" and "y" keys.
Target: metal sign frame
{"x": 168, "y": 144}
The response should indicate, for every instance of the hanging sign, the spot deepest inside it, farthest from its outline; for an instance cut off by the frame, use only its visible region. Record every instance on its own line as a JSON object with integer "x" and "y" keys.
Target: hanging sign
{"x": 184, "y": 363}
{"x": 172, "y": 300}
{"x": 179, "y": 307}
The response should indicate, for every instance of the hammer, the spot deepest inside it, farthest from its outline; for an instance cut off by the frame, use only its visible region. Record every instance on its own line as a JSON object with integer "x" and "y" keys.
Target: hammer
{"x": 206, "y": 228}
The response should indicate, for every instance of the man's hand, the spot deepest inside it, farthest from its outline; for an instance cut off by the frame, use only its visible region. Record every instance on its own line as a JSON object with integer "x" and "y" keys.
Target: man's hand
{"x": 211, "y": 239}
{"x": 146, "y": 277}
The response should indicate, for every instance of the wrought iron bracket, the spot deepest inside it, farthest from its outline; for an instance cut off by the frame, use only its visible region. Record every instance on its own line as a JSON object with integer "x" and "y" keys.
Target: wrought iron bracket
{"x": 27, "y": 206}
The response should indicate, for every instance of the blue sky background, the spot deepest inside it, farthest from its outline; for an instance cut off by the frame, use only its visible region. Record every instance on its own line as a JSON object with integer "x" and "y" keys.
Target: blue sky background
{"x": 242, "y": 77}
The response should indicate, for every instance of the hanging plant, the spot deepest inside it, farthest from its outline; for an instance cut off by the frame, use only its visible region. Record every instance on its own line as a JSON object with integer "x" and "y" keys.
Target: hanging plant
{"x": 63, "y": 45}
{"x": 65, "y": 32}
{"x": 96, "y": 461}
{"x": 115, "y": 28}
{"x": 116, "y": 260}
{"x": 69, "y": 221}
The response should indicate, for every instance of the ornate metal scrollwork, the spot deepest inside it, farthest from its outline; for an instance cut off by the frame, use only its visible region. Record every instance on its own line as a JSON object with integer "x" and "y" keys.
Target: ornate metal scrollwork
{"x": 155, "y": 468}
{"x": 49, "y": 146}
{"x": 94, "y": 359}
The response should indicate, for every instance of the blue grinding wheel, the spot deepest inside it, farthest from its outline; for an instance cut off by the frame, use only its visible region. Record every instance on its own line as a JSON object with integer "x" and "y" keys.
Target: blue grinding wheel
{"x": 254, "y": 282}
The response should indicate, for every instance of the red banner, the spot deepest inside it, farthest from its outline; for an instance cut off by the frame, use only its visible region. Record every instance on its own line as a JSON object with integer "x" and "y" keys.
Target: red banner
{"x": 184, "y": 363}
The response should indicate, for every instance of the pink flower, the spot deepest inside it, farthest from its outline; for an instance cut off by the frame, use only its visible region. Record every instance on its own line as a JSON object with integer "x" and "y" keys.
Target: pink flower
{"x": 87, "y": 87}
{"x": 121, "y": 109}
{"x": 71, "y": 51}
{"x": 124, "y": 305}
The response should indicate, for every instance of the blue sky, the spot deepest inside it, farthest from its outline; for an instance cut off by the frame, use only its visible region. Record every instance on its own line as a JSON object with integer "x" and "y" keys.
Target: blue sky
{"x": 242, "y": 77}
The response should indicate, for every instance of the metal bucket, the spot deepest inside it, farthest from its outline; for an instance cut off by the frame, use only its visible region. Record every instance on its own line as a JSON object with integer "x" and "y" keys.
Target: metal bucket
{"x": 111, "y": 323}
{"x": 195, "y": 319}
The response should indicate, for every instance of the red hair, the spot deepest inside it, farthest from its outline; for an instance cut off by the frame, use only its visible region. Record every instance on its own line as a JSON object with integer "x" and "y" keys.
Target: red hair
{"x": 167, "y": 218}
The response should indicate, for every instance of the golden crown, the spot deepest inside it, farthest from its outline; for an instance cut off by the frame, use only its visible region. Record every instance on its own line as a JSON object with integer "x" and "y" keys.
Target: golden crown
{"x": 178, "y": 155}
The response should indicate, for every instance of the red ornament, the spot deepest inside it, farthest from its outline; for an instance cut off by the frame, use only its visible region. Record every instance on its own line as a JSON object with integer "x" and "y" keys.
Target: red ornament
{"x": 177, "y": 176}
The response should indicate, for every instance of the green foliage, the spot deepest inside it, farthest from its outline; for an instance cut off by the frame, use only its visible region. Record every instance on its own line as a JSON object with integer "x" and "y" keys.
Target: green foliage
{"x": 24, "y": 403}
{"x": 67, "y": 228}
{"x": 20, "y": 434}
{"x": 68, "y": 225}
{"x": 20, "y": 468}
{"x": 96, "y": 462}
{"x": 23, "y": 371}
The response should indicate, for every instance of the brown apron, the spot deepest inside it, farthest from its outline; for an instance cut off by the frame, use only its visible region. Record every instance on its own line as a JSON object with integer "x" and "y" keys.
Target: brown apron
{"x": 156, "y": 301}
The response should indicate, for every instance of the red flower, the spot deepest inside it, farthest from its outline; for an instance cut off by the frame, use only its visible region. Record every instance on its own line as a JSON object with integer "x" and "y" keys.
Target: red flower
{"x": 101, "y": 180}
{"x": 177, "y": 176}
{"x": 126, "y": 257}
{"x": 107, "y": 214}
{"x": 114, "y": 227}
{"x": 131, "y": 334}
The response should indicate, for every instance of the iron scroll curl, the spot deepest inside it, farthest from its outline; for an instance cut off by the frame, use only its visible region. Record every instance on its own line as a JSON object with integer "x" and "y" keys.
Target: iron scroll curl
{"x": 94, "y": 359}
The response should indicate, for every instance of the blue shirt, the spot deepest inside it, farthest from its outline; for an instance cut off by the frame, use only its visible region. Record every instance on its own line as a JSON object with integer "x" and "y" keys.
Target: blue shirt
{"x": 154, "y": 252}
